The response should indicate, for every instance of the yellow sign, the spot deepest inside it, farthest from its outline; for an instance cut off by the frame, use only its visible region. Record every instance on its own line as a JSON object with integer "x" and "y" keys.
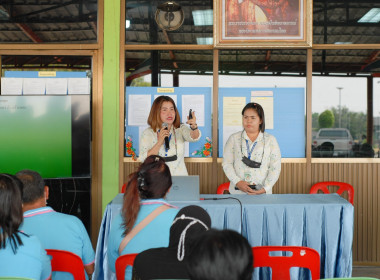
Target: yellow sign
{"x": 47, "y": 74}
{"x": 165, "y": 90}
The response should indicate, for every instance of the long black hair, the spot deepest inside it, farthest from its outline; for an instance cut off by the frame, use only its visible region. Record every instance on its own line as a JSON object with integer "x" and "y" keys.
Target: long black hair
{"x": 11, "y": 215}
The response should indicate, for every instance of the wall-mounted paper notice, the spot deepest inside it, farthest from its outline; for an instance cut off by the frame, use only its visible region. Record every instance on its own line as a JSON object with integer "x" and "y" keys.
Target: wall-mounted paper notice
{"x": 11, "y": 86}
{"x": 78, "y": 86}
{"x": 195, "y": 102}
{"x": 265, "y": 99}
{"x": 33, "y": 86}
{"x": 56, "y": 86}
{"x": 232, "y": 107}
{"x": 138, "y": 109}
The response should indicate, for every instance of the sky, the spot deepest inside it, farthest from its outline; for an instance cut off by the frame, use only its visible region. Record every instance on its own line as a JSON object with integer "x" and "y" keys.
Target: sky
{"x": 325, "y": 92}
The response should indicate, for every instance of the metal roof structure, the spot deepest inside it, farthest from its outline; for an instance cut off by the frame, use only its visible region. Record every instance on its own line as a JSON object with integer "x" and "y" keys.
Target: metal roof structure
{"x": 75, "y": 22}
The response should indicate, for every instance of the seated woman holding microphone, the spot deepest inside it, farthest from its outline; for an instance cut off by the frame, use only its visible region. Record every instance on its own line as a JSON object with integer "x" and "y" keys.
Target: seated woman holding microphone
{"x": 146, "y": 217}
{"x": 252, "y": 157}
{"x": 166, "y": 135}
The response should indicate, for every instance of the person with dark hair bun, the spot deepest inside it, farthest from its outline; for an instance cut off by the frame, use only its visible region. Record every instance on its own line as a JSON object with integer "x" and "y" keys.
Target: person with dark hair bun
{"x": 21, "y": 255}
{"x": 165, "y": 122}
{"x": 143, "y": 204}
{"x": 252, "y": 157}
{"x": 220, "y": 254}
{"x": 170, "y": 262}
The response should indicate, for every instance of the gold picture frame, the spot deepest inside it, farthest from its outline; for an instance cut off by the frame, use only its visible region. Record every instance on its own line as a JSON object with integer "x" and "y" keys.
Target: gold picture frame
{"x": 263, "y": 23}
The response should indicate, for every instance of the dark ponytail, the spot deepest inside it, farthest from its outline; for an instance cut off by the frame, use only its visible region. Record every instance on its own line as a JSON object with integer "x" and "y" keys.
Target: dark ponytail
{"x": 151, "y": 180}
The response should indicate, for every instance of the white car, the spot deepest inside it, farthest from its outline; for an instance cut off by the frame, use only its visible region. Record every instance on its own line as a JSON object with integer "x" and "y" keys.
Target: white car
{"x": 337, "y": 140}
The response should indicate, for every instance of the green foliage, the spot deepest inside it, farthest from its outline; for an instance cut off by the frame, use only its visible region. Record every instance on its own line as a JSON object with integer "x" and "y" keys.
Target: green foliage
{"x": 315, "y": 124}
{"x": 326, "y": 119}
{"x": 138, "y": 82}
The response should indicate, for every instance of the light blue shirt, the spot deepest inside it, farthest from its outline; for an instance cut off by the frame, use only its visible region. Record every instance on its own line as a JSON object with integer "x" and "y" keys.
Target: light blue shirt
{"x": 30, "y": 260}
{"x": 61, "y": 232}
{"x": 154, "y": 235}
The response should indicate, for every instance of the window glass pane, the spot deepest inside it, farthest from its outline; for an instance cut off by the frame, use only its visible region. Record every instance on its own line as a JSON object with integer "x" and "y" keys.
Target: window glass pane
{"x": 158, "y": 22}
{"x": 45, "y": 62}
{"x": 49, "y": 21}
{"x": 346, "y": 22}
{"x": 343, "y": 86}
{"x": 273, "y": 78}
{"x": 45, "y": 120}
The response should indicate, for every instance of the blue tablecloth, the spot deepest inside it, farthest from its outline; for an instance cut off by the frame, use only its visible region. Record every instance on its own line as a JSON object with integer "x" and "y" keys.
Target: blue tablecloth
{"x": 323, "y": 222}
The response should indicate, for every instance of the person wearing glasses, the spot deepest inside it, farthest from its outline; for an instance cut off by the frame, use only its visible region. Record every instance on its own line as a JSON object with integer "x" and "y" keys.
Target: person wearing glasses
{"x": 252, "y": 157}
{"x": 166, "y": 136}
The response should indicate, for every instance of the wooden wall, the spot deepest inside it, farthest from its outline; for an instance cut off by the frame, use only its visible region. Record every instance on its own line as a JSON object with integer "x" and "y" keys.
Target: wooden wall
{"x": 363, "y": 176}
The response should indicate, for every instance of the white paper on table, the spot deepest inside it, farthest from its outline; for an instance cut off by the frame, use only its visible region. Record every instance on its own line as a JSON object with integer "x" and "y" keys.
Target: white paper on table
{"x": 33, "y": 86}
{"x": 232, "y": 107}
{"x": 11, "y": 86}
{"x": 138, "y": 109}
{"x": 172, "y": 96}
{"x": 195, "y": 102}
{"x": 228, "y": 131}
{"x": 267, "y": 104}
{"x": 78, "y": 85}
{"x": 56, "y": 86}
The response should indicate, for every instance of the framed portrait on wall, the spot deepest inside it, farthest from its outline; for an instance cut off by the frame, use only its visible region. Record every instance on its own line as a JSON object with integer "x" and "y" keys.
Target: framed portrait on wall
{"x": 262, "y": 23}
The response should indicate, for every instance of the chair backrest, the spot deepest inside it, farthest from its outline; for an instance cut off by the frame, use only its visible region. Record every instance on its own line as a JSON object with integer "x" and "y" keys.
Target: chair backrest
{"x": 301, "y": 257}
{"x": 65, "y": 261}
{"x": 123, "y": 187}
{"x": 323, "y": 186}
{"x": 223, "y": 187}
{"x": 121, "y": 264}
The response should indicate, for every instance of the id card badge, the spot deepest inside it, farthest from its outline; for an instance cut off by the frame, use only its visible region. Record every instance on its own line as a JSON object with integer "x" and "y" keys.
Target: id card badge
{"x": 248, "y": 177}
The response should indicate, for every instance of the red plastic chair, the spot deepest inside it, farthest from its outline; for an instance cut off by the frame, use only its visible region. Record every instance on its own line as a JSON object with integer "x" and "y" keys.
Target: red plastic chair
{"x": 65, "y": 261}
{"x": 223, "y": 187}
{"x": 342, "y": 188}
{"x": 123, "y": 187}
{"x": 302, "y": 257}
{"x": 121, "y": 264}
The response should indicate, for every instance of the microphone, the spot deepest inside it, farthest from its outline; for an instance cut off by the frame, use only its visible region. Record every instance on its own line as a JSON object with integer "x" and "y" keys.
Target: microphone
{"x": 165, "y": 126}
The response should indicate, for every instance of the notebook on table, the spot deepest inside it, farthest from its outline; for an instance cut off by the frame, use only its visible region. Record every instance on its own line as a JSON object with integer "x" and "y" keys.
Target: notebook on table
{"x": 184, "y": 188}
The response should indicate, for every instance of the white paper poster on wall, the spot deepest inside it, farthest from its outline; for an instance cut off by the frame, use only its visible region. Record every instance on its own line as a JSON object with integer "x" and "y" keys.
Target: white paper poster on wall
{"x": 78, "y": 86}
{"x": 197, "y": 104}
{"x": 138, "y": 109}
{"x": 11, "y": 86}
{"x": 33, "y": 86}
{"x": 56, "y": 86}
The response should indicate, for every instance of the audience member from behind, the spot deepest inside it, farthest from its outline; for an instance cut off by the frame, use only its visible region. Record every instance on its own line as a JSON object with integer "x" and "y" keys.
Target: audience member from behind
{"x": 21, "y": 255}
{"x": 170, "y": 262}
{"x": 143, "y": 203}
{"x": 220, "y": 255}
{"x": 55, "y": 230}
